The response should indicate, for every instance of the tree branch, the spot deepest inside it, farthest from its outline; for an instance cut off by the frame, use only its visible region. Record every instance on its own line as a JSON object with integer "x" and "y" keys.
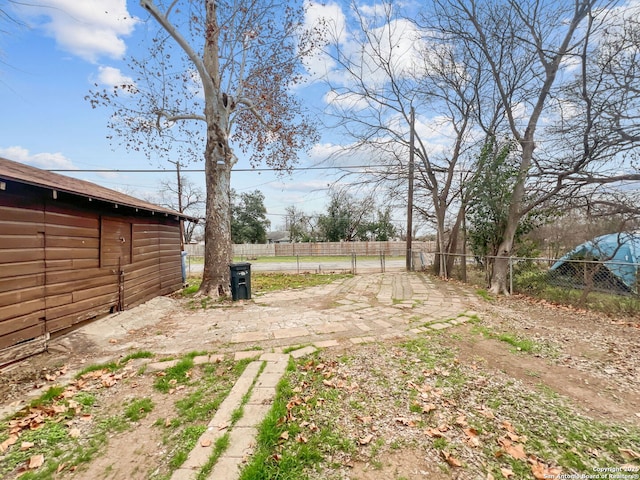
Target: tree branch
{"x": 207, "y": 82}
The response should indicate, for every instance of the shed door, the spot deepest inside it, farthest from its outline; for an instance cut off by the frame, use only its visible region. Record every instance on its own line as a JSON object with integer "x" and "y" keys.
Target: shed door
{"x": 115, "y": 243}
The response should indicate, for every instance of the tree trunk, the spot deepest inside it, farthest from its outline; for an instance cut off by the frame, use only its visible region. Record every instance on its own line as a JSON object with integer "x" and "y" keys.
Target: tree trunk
{"x": 219, "y": 159}
{"x": 218, "y": 251}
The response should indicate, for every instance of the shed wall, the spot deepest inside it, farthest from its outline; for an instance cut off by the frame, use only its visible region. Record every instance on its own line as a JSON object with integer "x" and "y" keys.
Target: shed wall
{"x": 64, "y": 261}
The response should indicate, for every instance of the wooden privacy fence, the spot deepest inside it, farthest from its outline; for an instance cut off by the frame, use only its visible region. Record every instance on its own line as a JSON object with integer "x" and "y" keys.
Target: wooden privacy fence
{"x": 319, "y": 249}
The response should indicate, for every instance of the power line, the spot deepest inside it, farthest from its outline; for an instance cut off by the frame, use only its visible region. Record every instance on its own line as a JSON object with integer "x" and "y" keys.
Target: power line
{"x": 201, "y": 170}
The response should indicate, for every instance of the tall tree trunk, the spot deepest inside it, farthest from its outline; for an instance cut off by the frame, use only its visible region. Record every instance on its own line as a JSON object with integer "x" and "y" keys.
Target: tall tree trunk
{"x": 500, "y": 271}
{"x": 218, "y": 160}
{"x": 217, "y": 239}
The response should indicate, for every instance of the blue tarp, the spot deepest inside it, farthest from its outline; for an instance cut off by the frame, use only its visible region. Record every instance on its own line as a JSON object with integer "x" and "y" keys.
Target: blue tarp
{"x": 620, "y": 253}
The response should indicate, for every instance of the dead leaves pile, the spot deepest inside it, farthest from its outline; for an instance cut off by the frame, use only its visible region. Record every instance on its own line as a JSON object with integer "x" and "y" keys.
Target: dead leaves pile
{"x": 433, "y": 414}
{"x": 63, "y": 409}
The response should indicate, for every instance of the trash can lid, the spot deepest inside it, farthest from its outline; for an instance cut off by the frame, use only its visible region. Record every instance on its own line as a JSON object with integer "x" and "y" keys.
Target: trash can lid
{"x": 239, "y": 265}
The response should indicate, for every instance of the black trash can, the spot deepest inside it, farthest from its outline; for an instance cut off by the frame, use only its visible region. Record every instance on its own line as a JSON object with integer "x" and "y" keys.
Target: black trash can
{"x": 240, "y": 281}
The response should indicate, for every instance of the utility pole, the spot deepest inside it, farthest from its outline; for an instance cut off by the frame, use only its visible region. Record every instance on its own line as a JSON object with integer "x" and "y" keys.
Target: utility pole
{"x": 177, "y": 164}
{"x": 409, "y": 256}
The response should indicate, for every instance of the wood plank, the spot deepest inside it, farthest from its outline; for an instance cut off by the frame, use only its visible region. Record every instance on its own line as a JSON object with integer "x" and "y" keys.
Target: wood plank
{"x": 23, "y": 350}
{"x": 9, "y": 270}
{"x": 22, "y": 335}
{"x": 21, "y": 215}
{"x": 82, "y": 309}
{"x": 81, "y": 284}
{"x": 18, "y": 309}
{"x": 21, "y": 295}
{"x": 54, "y": 278}
{"x": 70, "y": 231}
{"x": 22, "y": 322}
{"x": 71, "y": 253}
{"x": 73, "y": 242}
{"x": 20, "y": 241}
{"x": 20, "y": 255}
{"x": 74, "y": 264}
{"x": 8, "y": 284}
{"x": 72, "y": 217}
{"x": 99, "y": 291}
{"x": 10, "y": 227}
{"x": 54, "y": 301}
{"x": 73, "y": 318}
{"x": 140, "y": 295}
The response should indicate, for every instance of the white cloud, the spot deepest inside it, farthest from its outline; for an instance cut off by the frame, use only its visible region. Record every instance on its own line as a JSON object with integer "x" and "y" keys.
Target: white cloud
{"x": 112, "y": 77}
{"x": 86, "y": 28}
{"x": 45, "y": 161}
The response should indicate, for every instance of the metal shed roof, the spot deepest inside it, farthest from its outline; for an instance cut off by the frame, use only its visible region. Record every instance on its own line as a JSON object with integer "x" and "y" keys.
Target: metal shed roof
{"x": 19, "y": 172}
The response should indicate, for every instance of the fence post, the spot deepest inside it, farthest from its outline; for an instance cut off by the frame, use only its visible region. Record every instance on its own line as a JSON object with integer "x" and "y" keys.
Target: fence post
{"x": 298, "y": 263}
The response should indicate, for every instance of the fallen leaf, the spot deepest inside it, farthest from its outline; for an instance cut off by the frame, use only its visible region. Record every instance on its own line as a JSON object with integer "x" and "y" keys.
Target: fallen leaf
{"x": 486, "y": 412}
{"x": 205, "y": 442}
{"x": 542, "y": 471}
{"x": 430, "y": 407}
{"x": 366, "y": 420}
{"x": 516, "y": 450}
{"x": 26, "y": 446}
{"x": 284, "y": 435}
{"x": 74, "y": 433}
{"x": 365, "y": 440}
{"x": 8, "y": 442}
{"x": 508, "y": 427}
{"x": 404, "y": 421}
{"x": 472, "y": 437}
{"x": 451, "y": 460}
{"x": 629, "y": 454}
{"x": 506, "y": 473}
{"x": 461, "y": 421}
{"x": 36, "y": 462}
{"x": 301, "y": 439}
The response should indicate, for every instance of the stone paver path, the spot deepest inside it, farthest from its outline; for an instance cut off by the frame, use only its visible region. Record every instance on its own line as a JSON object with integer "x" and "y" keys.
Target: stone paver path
{"x": 357, "y": 310}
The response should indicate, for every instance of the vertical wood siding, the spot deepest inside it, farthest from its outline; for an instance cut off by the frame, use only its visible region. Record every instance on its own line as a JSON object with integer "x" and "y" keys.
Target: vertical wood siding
{"x": 61, "y": 264}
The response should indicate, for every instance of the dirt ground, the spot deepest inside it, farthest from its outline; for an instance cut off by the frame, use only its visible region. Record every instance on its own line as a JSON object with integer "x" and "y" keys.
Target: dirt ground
{"x": 591, "y": 359}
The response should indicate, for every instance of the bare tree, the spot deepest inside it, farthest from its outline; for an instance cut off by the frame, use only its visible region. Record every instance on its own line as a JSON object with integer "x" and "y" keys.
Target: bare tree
{"x": 398, "y": 66}
{"x": 187, "y": 198}
{"x": 530, "y": 47}
{"x": 218, "y": 75}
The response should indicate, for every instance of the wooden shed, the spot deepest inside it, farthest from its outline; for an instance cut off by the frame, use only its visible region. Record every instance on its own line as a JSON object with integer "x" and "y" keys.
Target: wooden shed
{"x": 71, "y": 251}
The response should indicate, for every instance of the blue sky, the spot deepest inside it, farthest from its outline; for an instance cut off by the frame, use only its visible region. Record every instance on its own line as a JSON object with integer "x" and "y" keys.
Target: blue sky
{"x": 50, "y": 61}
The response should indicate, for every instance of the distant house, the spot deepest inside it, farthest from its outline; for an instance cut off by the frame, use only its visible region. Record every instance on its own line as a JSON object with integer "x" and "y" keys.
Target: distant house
{"x": 278, "y": 237}
{"x": 71, "y": 251}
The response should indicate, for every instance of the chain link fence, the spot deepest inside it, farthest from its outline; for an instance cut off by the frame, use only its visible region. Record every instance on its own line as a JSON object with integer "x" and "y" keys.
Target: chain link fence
{"x": 532, "y": 275}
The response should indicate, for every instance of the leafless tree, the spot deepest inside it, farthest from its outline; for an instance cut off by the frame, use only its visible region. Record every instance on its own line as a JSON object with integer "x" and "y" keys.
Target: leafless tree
{"x": 532, "y": 47}
{"x": 398, "y": 66}
{"x": 187, "y": 198}
{"x": 218, "y": 76}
